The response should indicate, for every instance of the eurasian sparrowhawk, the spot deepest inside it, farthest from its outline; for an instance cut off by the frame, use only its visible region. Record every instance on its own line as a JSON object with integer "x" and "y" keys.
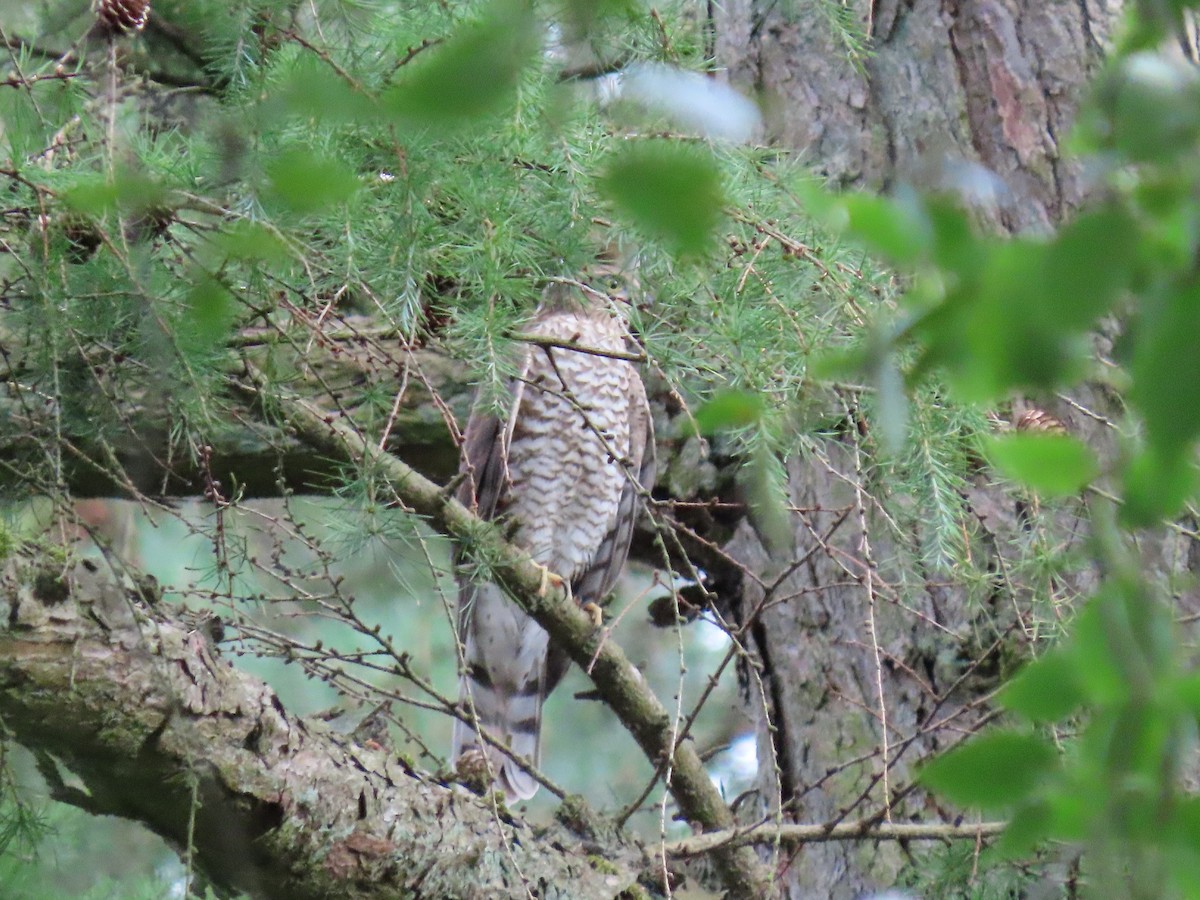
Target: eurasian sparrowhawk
{"x": 563, "y": 469}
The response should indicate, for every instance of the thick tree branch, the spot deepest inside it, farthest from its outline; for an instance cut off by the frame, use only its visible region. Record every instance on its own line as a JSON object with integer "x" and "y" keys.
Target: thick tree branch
{"x": 242, "y": 450}
{"x": 617, "y": 681}
{"x": 160, "y": 729}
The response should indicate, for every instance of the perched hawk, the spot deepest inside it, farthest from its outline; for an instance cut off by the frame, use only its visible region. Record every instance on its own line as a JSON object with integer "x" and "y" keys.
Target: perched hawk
{"x": 562, "y": 470}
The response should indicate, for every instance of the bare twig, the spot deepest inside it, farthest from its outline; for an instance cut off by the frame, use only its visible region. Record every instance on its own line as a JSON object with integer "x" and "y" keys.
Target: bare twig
{"x": 862, "y": 830}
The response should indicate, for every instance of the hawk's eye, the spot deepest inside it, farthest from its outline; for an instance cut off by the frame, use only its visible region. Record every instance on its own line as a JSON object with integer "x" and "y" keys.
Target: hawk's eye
{"x": 616, "y": 287}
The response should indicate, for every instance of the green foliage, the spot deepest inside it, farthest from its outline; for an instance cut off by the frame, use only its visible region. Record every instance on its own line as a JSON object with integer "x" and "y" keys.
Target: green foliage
{"x": 422, "y": 163}
{"x": 306, "y": 183}
{"x": 995, "y": 770}
{"x": 1048, "y": 690}
{"x": 958, "y": 871}
{"x": 475, "y": 71}
{"x": 1054, "y": 464}
{"x": 728, "y": 409}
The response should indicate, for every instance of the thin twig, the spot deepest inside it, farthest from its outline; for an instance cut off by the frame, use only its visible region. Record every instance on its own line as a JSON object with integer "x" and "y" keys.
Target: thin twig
{"x": 862, "y": 830}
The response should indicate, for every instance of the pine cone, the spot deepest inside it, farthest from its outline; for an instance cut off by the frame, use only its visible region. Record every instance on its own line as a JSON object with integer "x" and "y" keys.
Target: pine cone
{"x": 120, "y": 16}
{"x": 1034, "y": 419}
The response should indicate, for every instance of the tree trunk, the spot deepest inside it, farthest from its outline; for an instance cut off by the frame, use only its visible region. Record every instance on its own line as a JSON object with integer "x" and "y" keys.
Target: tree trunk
{"x": 946, "y": 82}
{"x": 861, "y": 661}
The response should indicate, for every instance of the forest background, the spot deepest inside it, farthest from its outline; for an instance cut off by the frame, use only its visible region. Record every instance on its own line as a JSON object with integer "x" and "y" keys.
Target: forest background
{"x": 256, "y": 258}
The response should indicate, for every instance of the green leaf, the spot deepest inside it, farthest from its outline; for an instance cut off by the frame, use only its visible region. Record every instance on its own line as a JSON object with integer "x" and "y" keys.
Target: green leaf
{"x": 1089, "y": 265}
{"x": 250, "y": 241}
{"x": 1100, "y": 677}
{"x": 1072, "y": 808}
{"x": 1183, "y": 857}
{"x": 729, "y": 409}
{"x": 210, "y": 312}
{"x": 1046, "y": 690}
{"x": 996, "y": 770}
{"x": 995, "y": 331}
{"x": 670, "y": 191}
{"x": 1153, "y": 105}
{"x": 1012, "y": 339}
{"x": 1015, "y": 314}
{"x": 1056, "y": 465}
{"x": 127, "y": 191}
{"x": 1187, "y": 692}
{"x": 840, "y": 362}
{"x": 1169, "y": 219}
{"x": 314, "y": 91}
{"x": 895, "y": 231}
{"x": 472, "y": 74}
{"x": 1029, "y": 825}
{"x": 93, "y": 195}
{"x": 1157, "y": 484}
{"x": 957, "y": 249}
{"x": 308, "y": 183}
{"x": 587, "y": 14}
{"x": 1140, "y": 743}
{"x": 1166, "y": 370}
{"x": 898, "y": 227}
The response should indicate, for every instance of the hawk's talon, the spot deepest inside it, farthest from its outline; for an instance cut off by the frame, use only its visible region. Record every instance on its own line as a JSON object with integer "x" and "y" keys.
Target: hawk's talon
{"x": 548, "y": 578}
{"x": 594, "y": 612}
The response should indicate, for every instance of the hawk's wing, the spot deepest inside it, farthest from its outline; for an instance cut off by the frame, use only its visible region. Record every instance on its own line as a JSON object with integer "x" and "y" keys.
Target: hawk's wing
{"x": 489, "y": 623}
{"x": 484, "y": 462}
{"x": 484, "y": 467}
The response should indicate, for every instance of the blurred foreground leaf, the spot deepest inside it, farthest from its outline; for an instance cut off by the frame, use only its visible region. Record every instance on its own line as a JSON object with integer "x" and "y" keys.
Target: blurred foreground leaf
{"x": 1045, "y": 690}
{"x": 991, "y": 771}
{"x": 1052, "y": 464}
{"x": 470, "y": 75}
{"x": 729, "y": 409}
{"x": 670, "y": 191}
{"x": 307, "y": 183}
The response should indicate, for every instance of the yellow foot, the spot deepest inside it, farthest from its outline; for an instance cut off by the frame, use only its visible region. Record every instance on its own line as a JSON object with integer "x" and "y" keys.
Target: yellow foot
{"x": 548, "y": 578}
{"x": 595, "y": 613}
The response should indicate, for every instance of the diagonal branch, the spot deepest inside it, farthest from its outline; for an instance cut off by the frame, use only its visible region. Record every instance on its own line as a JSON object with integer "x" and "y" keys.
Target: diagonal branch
{"x": 617, "y": 681}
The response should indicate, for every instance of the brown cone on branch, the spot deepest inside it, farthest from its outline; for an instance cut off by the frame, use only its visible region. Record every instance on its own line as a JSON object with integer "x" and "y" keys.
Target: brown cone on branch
{"x": 1034, "y": 419}
{"x": 121, "y": 16}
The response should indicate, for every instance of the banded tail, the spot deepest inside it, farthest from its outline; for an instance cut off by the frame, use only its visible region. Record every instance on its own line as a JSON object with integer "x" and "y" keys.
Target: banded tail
{"x": 503, "y": 690}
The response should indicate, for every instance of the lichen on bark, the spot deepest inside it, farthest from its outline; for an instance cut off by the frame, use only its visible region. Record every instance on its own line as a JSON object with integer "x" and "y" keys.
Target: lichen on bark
{"x": 158, "y": 727}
